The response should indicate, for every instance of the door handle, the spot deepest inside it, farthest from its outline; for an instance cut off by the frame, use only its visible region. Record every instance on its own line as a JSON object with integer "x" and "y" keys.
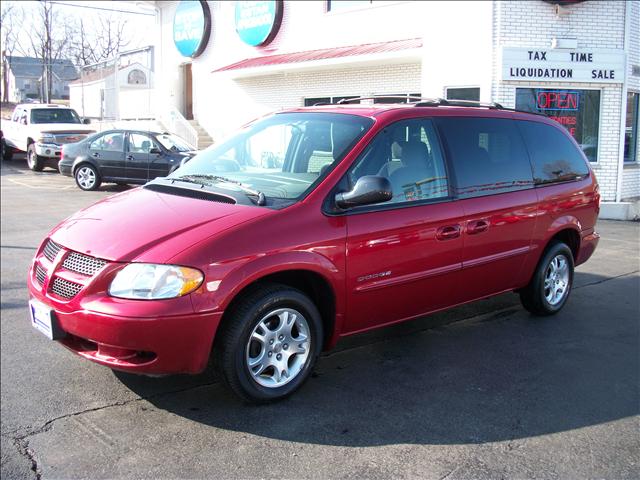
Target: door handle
{"x": 477, "y": 226}
{"x": 96, "y": 155}
{"x": 129, "y": 158}
{"x": 448, "y": 232}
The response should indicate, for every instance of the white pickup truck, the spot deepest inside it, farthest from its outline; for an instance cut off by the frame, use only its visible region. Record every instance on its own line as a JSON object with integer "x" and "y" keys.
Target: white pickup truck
{"x": 40, "y": 130}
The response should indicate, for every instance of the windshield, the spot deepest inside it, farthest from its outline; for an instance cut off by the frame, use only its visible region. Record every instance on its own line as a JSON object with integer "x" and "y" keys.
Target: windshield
{"x": 54, "y": 115}
{"x": 282, "y": 156}
{"x": 173, "y": 143}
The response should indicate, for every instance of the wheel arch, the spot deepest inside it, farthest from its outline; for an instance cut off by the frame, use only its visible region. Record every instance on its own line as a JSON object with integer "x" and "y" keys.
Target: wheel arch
{"x": 313, "y": 284}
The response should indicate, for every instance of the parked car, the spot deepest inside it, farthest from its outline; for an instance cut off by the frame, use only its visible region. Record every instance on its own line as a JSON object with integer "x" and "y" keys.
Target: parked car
{"x": 123, "y": 156}
{"x": 311, "y": 225}
{"x": 40, "y": 130}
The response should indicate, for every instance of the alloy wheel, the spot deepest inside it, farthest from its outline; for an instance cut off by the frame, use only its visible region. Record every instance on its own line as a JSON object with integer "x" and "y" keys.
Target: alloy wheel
{"x": 556, "y": 280}
{"x": 278, "y": 347}
{"x": 86, "y": 177}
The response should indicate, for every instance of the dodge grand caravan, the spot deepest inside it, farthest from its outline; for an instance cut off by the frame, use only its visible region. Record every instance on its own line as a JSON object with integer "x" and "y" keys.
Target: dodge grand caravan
{"x": 313, "y": 224}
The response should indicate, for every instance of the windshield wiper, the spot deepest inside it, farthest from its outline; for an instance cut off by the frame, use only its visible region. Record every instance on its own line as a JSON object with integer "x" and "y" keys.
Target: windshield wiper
{"x": 199, "y": 177}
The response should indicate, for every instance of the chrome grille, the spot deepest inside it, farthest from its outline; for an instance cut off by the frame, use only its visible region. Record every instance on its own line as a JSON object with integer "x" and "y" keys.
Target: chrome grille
{"x": 64, "y": 288}
{"x": 63, "y": 138}
{"x": 77, "y": 262}
{"x": 41, "y": 275}
{"x": 51, "y": 249}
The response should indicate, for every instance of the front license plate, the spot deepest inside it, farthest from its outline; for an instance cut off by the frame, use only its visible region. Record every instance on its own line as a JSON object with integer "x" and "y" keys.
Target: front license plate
{"x": 41, "y": 318}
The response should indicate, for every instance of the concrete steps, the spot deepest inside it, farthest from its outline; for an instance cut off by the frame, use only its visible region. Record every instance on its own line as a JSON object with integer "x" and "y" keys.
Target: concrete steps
{"x": 204, "y": 139}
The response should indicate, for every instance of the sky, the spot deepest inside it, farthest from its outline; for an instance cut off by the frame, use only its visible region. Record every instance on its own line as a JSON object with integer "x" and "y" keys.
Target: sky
{"x": 140, "y": 23}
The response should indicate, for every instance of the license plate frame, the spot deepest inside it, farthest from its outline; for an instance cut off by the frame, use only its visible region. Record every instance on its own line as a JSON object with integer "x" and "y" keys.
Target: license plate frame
{"x": 44, "y": 320}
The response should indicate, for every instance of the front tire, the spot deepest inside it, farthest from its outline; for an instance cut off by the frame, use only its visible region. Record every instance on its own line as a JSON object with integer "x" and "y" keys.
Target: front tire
{"x": 551, "y": 283}
{"x": 87, "y": 177}
{"x": 269, "y": 344}
{"x": 7, "y": 151}
{"x": 34, "y": 161}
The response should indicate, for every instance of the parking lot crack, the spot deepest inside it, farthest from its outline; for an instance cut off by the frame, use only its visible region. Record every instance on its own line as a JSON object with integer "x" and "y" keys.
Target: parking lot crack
{"x": 25, "y": 451}
{"x": 21, "y": 441}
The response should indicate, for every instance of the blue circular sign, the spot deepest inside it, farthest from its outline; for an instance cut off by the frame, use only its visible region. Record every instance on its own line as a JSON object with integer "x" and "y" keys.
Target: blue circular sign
{"x": 258, "y": 22}
{"x": 191, "y": 27}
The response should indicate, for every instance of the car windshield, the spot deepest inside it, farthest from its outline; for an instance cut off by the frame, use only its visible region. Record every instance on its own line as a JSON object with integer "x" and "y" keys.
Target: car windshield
{"x": 173, "y": 143}
{"x": 283, "y": 156}
{"x": 54, "y": 115}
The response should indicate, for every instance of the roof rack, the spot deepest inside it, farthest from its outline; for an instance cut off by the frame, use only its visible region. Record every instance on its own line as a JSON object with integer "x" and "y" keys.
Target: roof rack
{"x": 343, "y": 101}
{"x": 437, "y": 102}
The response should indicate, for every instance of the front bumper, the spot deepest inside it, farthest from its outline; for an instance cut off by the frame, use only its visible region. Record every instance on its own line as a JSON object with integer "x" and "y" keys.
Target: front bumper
{"x": 49, "y": 150}
{"x": 155, "y": 337}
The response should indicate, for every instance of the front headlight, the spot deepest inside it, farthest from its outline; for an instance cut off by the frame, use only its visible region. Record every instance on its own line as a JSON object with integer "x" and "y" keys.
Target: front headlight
{"x": 145, "y": 281}
{"x": 47, "y": 138}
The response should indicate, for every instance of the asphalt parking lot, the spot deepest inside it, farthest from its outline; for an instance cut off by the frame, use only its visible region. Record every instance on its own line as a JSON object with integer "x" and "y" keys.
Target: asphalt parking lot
{"x": 496, "y": 394}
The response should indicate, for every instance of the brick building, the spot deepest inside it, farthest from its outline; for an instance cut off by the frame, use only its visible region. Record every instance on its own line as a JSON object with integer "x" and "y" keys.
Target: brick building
{"x": 224, "y": 63}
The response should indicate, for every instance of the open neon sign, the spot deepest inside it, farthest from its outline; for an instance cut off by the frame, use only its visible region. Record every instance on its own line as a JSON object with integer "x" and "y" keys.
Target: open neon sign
{"x": 557, "y": 100}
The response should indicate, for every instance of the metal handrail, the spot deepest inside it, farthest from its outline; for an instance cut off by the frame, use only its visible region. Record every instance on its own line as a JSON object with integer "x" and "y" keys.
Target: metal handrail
{"x": 173, "y": 121}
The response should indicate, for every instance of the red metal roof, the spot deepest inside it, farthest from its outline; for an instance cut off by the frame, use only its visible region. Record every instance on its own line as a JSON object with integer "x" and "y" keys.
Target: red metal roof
{"x": 325, "y": 53}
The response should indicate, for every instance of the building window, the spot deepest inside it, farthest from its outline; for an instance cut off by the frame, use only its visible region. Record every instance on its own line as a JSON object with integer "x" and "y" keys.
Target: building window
{"x": 576, "y": 110}
{"x": 310, "y": 102}
{"x": 27, "y": 86}
{"x": 464, "y": 93}
{"x": 136, "y": 77}
{"x": 631, "y": 128}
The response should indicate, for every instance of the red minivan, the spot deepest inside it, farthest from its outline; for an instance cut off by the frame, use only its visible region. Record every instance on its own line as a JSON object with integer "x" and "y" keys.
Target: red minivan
{"x": 313, "y": 224}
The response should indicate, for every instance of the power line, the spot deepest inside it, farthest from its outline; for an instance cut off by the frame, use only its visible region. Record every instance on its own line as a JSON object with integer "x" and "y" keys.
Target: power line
{"x": 102, "y": 8}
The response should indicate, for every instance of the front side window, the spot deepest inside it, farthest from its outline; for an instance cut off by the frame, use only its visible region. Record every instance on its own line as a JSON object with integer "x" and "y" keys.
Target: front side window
{"x": 631, "y": 128}
{"x": 54, "y": 115}
{"x": 139, "y": 143}
{"x": 174, "y": 143}
{"x": 553, "y": 156}
{"x": 576, "y": 110}
{"x": 283, "y": 156}
{"x": 110, "y": 142}
{"x": 487, "y": 155}
{"x": 409, "y": 155}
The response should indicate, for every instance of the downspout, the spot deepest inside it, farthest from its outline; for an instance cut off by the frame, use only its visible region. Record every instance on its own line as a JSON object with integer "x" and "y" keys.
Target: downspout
{"x": 623, "y": 103}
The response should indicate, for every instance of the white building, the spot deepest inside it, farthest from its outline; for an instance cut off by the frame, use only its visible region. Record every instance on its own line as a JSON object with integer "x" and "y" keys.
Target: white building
{"x": 96, "y": 95}
{"x": 578, "y": 62}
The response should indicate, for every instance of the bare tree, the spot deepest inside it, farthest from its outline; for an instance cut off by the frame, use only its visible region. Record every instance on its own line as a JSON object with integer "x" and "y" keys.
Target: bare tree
{"x": 10, "y": 18}
{"x": 48, "y": 41}
{"x": 97, "y": 41}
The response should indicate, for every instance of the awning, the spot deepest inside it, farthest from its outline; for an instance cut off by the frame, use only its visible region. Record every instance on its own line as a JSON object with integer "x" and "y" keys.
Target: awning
{"x": 371, "y": 50}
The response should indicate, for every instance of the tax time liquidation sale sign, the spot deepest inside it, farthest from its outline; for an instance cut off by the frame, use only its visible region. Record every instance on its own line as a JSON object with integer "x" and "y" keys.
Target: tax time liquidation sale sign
{"x": 590, "y": 66}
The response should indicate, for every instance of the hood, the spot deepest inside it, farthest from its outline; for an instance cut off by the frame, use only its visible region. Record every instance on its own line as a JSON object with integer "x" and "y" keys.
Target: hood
{"x": 64, "y": 128}
{"x": 146, "y": 226}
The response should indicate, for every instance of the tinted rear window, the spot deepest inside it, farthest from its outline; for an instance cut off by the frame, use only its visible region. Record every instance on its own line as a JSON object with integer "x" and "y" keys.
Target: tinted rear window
{"x": 554, "y": 157}
{"x": 487, "y": 155}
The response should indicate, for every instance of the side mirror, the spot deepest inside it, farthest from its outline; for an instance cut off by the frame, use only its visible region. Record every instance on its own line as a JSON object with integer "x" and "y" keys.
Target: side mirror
{"x": 86, "y": 121}
{"x": 367, "y": 190}
{"x": 155, "y": 150}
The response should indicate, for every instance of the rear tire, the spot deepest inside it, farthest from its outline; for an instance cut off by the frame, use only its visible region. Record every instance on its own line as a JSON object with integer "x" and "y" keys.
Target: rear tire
{"x": 7, "y": 151}
{"x": 551, "y": 283}
{"x": 34, "y": 161}
{"x": 87, "y": 177}
{"x": 269, "y": 344}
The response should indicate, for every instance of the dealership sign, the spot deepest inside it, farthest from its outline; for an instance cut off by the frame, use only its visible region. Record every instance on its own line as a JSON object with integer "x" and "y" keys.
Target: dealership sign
{"x": 257, "y": 23}
{"x": 191, "y": 27}
{"x": 591, "y": 66}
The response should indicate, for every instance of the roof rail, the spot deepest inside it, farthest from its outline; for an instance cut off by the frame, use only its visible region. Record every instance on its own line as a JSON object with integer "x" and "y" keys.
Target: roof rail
{"x": 343, "y": 101}
{"x": 437, "y": 102}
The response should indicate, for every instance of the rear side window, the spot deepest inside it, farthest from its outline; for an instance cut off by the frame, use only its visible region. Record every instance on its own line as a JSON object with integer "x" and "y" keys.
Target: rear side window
{"x": 487, "y": 154}
{"x": 554, "y": 157}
